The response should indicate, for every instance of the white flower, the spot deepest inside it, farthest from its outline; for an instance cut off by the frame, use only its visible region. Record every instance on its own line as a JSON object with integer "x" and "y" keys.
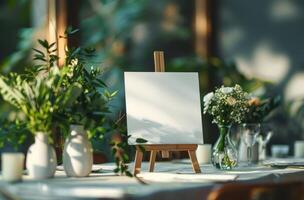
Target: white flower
{"x": 74, "y": 62}
{"x": 226, "y": 90}
{"x": 208, "y": 97}
{"x": 207, "y": 101}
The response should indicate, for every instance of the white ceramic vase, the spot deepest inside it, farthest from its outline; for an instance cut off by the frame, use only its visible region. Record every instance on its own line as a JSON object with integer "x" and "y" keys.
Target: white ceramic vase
{"x": 41, "y": 160}
{"x": 77, "y": 153}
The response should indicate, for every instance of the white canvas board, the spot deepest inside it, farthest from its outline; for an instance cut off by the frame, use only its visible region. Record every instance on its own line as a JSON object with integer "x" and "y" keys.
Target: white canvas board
{"x": 163, "y": 107}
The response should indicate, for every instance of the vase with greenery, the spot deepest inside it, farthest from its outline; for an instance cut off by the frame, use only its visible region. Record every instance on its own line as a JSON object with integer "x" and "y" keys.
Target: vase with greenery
{"x": 227, "y": 106}
{"x": 74, "y": 93}
{"x": 40, "y": 98}
{"x": 87, "y": 111}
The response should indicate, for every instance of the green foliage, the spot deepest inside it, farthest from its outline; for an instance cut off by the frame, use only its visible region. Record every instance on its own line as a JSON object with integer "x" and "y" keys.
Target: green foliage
{"x": 295, "y": 113}
{"x": 73, "y": 94}
{"x": 141, "y": 140}
{"x": 119, "y": 146}
{"x": 46, "y": 59}
{"x": 91, "y": 107}
{"x": 13, "y": 133}
{"x": 92, "y": 104}
{"x": 40, "y": 99}
{"x": 259, "y": 110}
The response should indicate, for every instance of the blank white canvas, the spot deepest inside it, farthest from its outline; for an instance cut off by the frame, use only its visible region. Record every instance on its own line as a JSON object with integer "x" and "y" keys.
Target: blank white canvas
{"x": 163, "y": 107}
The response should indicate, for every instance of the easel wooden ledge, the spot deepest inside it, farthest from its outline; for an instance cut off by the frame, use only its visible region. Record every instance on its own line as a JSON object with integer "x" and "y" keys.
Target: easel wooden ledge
{"x": 159, "y": 63}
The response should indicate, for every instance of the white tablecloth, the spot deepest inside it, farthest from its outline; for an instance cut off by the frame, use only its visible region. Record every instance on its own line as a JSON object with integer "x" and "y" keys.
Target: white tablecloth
{"x": 171, "y": 180}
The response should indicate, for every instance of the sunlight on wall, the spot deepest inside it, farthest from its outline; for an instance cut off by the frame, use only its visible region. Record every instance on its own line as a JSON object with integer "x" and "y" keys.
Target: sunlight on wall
{"x": 284, "y": 10}
{"x": 265, "y": 63}
{"x": 294, "y": 88}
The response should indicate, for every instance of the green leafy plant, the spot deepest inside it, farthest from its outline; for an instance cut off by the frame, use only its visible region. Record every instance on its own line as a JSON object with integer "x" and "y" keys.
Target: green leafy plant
{"x": 75, "y": 93}
{"x": 40, "y": 99}
{"x": 120, "y": 147}
{"x": 13, "y": 133}
{"x": 260, "y": 109}
{"x": 91, "y": 105}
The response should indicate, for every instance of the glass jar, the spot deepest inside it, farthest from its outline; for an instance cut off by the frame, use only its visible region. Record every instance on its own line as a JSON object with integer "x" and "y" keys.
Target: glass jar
{"x": 224, "y": 152}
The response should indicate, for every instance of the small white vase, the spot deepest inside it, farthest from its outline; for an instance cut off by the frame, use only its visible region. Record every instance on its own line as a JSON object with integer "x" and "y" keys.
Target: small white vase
{"x": 77, "y": 153}
{"x": 41, "y": 160}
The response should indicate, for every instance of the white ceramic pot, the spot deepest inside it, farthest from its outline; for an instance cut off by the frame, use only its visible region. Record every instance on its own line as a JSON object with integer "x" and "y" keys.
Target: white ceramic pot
{"x": 41, "y": 160}
{"x": 77, "y": 153}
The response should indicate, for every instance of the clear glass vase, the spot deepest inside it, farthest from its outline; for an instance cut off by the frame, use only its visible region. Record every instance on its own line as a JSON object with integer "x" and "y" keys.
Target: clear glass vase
{"x": 224, "y": 152}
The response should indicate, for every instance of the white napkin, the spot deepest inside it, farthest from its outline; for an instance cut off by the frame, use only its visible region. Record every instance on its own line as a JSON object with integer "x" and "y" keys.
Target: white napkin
{"x": 172, "y": 177}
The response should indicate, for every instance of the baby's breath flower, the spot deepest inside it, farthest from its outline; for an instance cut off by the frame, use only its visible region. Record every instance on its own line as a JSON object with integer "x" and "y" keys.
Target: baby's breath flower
{"x": 74, "y": 62}
{"x": 208, "y": 97}
{"x": 227, "y": 105}
{"x": 226, "y": 90}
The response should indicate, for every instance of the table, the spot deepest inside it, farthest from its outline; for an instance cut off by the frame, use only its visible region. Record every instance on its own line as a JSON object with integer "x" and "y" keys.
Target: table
{"x": 173, "y": 180}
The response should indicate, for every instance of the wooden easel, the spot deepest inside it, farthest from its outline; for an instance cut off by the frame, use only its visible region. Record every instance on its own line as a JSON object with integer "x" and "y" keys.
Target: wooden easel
{"x": 159, "y": 63}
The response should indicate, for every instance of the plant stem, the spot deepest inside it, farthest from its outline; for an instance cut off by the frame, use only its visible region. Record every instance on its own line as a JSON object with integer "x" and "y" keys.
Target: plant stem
{"x": 223, "y": 133}
{"x": 249, "y": 159}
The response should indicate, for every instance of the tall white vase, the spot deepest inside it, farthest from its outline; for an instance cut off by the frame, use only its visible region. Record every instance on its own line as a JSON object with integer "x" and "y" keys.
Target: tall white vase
{"x": 77, "y": 153}
{"x": 41, "y": 160}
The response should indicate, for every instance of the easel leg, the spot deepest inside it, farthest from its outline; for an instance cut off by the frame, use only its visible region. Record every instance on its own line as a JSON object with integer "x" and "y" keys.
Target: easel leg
{"x": 194, "y": 161}
{"x": 137, "y": 162}
{"x": 152, "y": 160}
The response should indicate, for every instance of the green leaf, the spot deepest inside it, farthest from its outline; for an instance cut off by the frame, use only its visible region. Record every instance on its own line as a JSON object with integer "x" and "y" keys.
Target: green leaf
{"x": 141, "y": 140}
{"x": 69, "y": 97}
{"x": 44, "y": 43}
{"x": 39, "y": 57}
{"x": 116, "y": 170}
{"x": 128, "y": 173}
{"x": 10, "y": 94}
{"x": 52, "y": 44}
{"x": 38, "y": 51}
{"x": 89, "y": 50}
{"x": 70, "y": 31}
{"x": 114, "y": 151}
{"x": 114, "y": 93}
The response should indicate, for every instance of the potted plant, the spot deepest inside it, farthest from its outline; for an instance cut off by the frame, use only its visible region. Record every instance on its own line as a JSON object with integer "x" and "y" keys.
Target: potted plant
{"x": 84, "y": 107}
{"x": 88, "y": 109}
{"x": 227, "y": 106}
{"x": 86, "y": 113}
{"x": 40, "y": 98}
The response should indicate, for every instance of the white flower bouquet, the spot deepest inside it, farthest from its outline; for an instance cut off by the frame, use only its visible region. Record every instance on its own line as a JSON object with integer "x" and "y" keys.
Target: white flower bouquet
{"x": 227, "y": 105}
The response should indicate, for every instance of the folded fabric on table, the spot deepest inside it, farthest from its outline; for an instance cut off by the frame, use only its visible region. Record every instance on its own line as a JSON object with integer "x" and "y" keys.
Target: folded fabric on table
{"x": 172, "y": 177}
{"x": 284, "y": 163}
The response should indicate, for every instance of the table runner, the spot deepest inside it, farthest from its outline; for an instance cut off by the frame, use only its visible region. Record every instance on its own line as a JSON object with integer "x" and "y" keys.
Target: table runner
{"x": 180, "y": 183}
